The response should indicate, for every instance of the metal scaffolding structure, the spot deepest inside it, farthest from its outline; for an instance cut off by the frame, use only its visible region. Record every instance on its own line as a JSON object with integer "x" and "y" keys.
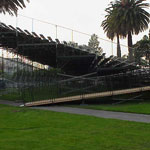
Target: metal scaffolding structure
{"x": 39, "y": 68}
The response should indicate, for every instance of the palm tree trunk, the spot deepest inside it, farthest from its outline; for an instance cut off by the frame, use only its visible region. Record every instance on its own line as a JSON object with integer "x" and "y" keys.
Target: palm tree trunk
{"x": 118, "y": 47}
{"x": 130, "y": 50}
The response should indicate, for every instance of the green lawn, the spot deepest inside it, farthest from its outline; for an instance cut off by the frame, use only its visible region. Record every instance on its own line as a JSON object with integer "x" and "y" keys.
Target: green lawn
{"x": 27, "y": 129}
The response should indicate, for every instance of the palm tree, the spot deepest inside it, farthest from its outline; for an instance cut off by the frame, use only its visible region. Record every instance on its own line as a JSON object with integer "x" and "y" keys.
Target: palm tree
{"x": 11, "y": 6}
{"x": 110, "y": 31}
{"x": 129, "y": 17}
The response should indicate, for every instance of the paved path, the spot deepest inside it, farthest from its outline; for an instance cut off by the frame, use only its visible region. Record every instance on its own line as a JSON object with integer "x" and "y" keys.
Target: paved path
{"x": 99, "y": 113}
{"x": 89, "y": 112}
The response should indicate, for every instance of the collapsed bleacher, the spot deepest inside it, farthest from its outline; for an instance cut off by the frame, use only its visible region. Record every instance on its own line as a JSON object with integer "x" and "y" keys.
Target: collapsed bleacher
{"x": 72, "y": 60}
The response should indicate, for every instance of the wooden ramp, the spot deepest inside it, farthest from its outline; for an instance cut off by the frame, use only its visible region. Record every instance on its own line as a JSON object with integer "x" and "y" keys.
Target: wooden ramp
{"x": 87, "y": 96}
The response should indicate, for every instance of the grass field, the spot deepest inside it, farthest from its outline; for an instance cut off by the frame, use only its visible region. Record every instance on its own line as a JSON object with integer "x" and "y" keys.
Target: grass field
{"x": 28, "y": 129}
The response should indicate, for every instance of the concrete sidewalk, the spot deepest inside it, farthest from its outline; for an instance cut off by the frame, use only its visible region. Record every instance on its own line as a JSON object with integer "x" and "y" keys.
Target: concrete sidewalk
{"x": 99, "y": 113}
{"x": 90, "y": 112}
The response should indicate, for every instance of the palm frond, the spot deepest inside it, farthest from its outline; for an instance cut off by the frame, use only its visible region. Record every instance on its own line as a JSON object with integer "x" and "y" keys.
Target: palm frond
{"x": 11, "y": 6}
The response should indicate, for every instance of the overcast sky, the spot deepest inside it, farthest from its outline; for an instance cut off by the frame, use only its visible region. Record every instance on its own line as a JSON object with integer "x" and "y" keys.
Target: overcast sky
{"x": 82, "y": 15}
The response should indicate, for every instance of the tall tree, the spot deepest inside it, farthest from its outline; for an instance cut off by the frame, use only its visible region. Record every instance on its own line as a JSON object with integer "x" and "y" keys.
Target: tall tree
{"x": 93, "y": 44}
{"x": 110, "y": 31}
{"x": 129, "y": 17}
{"x": 142, "y": 50}
{"x": 11, "y": 6}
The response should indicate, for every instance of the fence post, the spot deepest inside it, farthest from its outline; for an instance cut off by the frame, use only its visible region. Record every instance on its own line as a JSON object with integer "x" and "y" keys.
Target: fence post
{"x": 32, "y": 24}
{"x": 72, "y": 35}
{"x": 56, "y": 31}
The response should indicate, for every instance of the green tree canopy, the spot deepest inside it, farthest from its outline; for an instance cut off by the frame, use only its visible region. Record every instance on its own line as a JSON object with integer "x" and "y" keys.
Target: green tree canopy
{"x": 93, "y": 44}
{"x": 142, "y": 50}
